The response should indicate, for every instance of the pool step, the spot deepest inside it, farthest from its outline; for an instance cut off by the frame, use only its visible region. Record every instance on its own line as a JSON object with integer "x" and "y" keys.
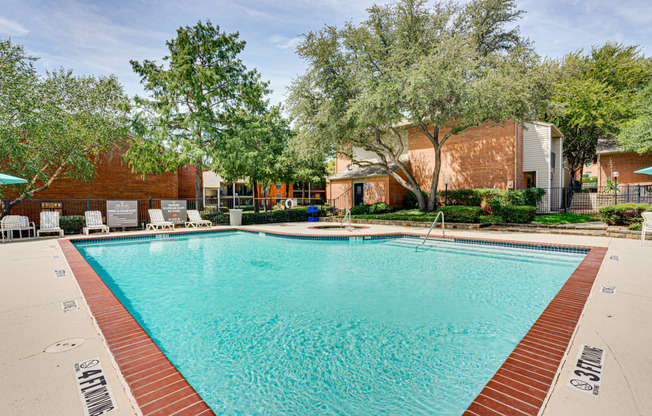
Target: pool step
{"x": 443, "y": 245}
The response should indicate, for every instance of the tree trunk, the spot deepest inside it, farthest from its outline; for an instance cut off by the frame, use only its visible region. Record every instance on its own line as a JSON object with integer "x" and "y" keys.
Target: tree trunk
{"x": 199, "y": 186}
{"x": 256, "y": 207}
{"x": 432, "y": 199}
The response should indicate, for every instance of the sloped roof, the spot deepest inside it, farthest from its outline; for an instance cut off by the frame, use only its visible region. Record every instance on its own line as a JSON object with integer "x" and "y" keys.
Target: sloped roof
{"x": 362, "y": 172}
{"x": 607, "y": 144}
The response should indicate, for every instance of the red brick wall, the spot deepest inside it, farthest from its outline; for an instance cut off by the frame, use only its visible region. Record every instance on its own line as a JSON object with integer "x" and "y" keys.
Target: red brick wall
{"x": 397, "y": 192}
{"x": 186, "y": 182}
{"x": 625, "y": 164}
{"x": 341, "y": 162}
{"x": 482, "y": 157}
{"x": 115, "y": 180}
{"x": 378, "y": 190}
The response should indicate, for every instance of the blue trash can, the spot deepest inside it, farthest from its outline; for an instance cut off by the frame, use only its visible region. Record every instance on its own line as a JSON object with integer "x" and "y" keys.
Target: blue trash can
{"x": 313, "y": 214}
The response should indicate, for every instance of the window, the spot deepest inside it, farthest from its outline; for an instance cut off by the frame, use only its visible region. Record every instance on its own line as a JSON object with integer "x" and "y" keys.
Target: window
{"x": 278, "y": 186}
{"x": 588, "y": 164}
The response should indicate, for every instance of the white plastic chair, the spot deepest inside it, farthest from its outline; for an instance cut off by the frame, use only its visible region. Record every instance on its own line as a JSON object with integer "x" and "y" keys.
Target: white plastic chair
{"x": 8, "y": 225}
{"x": 94, "y": 222}
{"x": 49, "y": 223}
{"x": 195, "y": 219}
{"x": 646, "y": 226}
{"x": 156, "y": 220}
{"x": 25, "y": 225}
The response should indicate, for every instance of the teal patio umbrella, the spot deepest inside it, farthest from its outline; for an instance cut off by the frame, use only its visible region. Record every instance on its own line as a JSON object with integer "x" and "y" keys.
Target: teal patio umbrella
{"x": 8, "y": 179}
{"x": 647, "y": 171}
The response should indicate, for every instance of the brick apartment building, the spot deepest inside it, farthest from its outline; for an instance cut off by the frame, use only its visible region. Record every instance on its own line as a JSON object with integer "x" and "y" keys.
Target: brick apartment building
{"x": 115, "y": 180}
{"x": 506, "y": 156}
{"x": 611, "y": 158}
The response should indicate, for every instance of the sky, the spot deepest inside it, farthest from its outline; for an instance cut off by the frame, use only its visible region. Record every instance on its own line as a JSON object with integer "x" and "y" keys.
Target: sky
{"x": 101, "y": 37}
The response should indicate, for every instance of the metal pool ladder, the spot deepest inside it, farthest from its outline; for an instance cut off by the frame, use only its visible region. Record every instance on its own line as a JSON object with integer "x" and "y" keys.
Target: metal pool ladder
{"x": 348, "y": 214}
{"x": 443, "y": 227}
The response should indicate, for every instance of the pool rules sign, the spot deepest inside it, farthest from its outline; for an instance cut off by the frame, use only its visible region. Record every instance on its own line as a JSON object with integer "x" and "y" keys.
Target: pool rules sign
{"x": 122, "y": 214}
{"x": 174, "y": 211}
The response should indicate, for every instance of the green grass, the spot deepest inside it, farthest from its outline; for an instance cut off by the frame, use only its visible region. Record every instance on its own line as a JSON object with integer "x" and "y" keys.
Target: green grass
{"x": 565, "y": 218}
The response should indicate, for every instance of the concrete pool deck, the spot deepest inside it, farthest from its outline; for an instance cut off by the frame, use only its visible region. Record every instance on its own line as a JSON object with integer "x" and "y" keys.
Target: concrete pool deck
{"x": 31, "y": 318}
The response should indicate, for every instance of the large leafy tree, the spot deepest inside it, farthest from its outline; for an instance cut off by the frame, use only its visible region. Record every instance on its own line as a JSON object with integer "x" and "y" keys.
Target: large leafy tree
{"x": 598, "y": 90}
{"x": 442, "y": 70}
{"x": 254, "y": 146}
{"x": 636, "y": 133}
{"x": 194, "y": 97}
{"x": 54, "y": 125}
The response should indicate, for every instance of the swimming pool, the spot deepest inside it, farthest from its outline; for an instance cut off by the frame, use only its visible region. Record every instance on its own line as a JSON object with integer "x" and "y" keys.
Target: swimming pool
{"x": 264, "y": 325}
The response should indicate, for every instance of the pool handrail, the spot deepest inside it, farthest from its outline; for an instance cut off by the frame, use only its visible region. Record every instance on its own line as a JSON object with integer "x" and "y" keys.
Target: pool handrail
{"x": 443, "y": 226}
{"x": 348, "y": 214}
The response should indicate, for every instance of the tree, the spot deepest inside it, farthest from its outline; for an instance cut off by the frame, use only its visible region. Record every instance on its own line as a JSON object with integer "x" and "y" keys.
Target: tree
{"x": 636, "y": 133}
{"x": 598, "y": 91}
{"x": 442, "y": 70}
{"x": 55, "y": 125}
{"x": 193, "y": 100}
{"x": 254, "y": 146}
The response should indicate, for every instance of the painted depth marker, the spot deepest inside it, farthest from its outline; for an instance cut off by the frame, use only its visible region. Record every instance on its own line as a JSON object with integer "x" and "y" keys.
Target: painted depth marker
{"x": 94, "y": 391}
{"x": 59, "y": 272}
{"x": 69, "y": 306}
{"x": 608, "y": 289}
{"x": 588, "y": 370}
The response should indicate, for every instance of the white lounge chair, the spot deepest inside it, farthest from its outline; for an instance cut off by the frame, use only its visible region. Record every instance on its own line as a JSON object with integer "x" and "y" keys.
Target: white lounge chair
{"x": 8, "y": 225}
{"x": 94, "y": 222}
{"x": 646, "y": 226}
{"x": 25, "y": 225}
{"x": 156, "y": 220}
{"x": 49, "y": 223}
{"x": 195, "y": 220}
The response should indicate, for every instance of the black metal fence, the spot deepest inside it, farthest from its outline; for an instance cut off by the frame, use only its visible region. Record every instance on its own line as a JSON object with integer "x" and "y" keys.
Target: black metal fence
{"x": 32, "y": 208}
{"x": 588, "y": 200}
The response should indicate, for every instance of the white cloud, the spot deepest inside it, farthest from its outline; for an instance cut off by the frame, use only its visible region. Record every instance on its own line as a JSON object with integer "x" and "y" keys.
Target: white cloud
{"x": 284, "y": 42}
{"x": 12, "y": 28}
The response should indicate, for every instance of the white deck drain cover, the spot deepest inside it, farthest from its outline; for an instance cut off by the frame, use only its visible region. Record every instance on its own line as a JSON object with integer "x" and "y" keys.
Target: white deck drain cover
{"x": 59, "y": 272}
{"x": 65, "y": 345}
{"x": 69, "y": 306}
{"x": 608, "y": 289}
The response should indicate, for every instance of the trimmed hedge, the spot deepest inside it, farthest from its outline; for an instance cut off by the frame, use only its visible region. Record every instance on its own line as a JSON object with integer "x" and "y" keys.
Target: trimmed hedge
{"x": 455, "y": 213}
{"x": 72, "y": 224}
{"x": 623, "y": 214}
{"x": 410, "y": 201}
{"x": 380, "y": 208}
{"x": 491, "y": 200}
{"x": 292, "y": 215}
{"x": 516, "y": 214}
{"x": 362, "y": 209}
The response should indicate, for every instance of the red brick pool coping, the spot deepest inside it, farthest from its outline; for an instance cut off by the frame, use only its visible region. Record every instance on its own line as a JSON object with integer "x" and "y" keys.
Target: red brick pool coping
{"x": 519, "y": 387}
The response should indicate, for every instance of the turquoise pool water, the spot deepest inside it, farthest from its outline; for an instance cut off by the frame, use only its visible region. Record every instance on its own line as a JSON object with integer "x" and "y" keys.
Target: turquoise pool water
{"x": 269, "y": 326}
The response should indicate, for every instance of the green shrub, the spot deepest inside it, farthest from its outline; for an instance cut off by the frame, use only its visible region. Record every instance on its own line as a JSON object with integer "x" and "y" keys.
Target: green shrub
{"x": 461, "y": 197}
{"x": 635, "y": 227}
{"x": 72, "y": 224}
{"x": 518, "y": 214}
{"x": 380, "y": 208}
{"x": 411, "y": 202}
{"x": 456, "y": 213}
{"x": 491, "y": 200}
{"x": 362, "y": 209}
{"x": 622, "y": 214}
